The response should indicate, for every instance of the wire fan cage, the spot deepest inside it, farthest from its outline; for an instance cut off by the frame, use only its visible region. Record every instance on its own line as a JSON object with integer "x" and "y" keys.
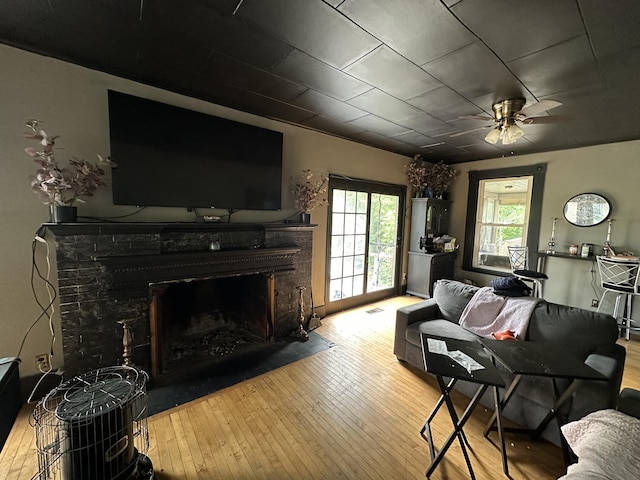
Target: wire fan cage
{"x": 94, "y": 426}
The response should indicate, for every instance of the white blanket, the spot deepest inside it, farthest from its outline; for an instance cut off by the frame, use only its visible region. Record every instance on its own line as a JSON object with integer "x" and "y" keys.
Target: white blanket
{"x": 488, "y": 313}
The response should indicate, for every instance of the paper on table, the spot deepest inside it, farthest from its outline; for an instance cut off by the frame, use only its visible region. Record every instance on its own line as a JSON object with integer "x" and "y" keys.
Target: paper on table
{"x": 465, "y": 360}
{"x": 440, "y": 347}
{"x": 437, "y": 346}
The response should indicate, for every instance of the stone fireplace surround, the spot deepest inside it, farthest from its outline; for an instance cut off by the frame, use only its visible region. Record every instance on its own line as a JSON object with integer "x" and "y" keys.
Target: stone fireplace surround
{"x": 106, "y": 273}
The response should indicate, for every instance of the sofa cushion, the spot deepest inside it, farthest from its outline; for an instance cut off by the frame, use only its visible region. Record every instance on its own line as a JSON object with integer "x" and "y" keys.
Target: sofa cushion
{"x": 451, "y": 297}
{"x": 606, "y": 443}
{"x": 438, "y": 328}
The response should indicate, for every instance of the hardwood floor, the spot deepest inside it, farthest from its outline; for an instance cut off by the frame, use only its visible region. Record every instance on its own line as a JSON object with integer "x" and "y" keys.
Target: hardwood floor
{"x": 351, "y": 412}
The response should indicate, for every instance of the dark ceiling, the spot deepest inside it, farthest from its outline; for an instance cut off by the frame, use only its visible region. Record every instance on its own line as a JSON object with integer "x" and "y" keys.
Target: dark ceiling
{"x": 394, "y": 74}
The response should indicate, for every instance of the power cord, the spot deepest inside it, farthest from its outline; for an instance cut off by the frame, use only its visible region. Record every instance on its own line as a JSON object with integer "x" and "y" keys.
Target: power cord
{"x": 48, "y": 310}
{"x": 110, "y": 219}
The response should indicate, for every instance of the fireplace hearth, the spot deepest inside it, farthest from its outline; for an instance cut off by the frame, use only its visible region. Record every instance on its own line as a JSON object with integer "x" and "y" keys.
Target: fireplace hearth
{"x": 184, "y": 304}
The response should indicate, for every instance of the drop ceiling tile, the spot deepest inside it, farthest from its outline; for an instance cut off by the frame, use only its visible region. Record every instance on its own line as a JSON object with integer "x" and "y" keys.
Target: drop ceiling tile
{"x": 581, "y": 100}
{"x": 481, "y": 148}
{"x": 472, "y": 71}
{"x": 420, "y": 30}
{"x": 373, "y": 139}
{"x": 441, "y": 153}
{"x": 561, "y": 67}
{"x": 589, "y": 130}
{"x": 384, "y": 105}
{"x": 158, "y": 48}
{"x": 325, "y": 124}
{"x": 524, "y": 27}
{"x": 612, "y": 28}
{"x": 225, "y": 69}
{"x": 311, "y": 26}
{"x": 209, "y": 28}
{"x": 379, "y": 125}
{"x": 270, "y": 108}
{"x": 327, "y": 106}
{"x": 301, "y": 68}
{"x": 414, "y": 138}
{"x": 425, "y": 124}
{"x": 126, "y": 10}
{"x": 622, "y": 72}
{"x": 393, "y": 74}
{"x": 223, "y": 7}
{"x": 552, "y": 138}
{"x": 462, "y": 141}
{"x": 445, "y": 104}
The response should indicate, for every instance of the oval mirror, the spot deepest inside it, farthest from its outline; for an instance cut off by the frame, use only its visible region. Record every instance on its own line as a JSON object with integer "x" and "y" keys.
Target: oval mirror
{"x": 587, "y": 209}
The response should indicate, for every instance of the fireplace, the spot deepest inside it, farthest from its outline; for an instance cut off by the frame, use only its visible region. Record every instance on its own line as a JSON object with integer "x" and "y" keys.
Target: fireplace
{"x": 148, "y": 275}
{"x": 203, "y": 322}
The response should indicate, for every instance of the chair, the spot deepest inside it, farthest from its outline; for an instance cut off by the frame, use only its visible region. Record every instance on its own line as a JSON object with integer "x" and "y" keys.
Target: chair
{"x": 519, "y": 260}
{"x": 622, "y": 278}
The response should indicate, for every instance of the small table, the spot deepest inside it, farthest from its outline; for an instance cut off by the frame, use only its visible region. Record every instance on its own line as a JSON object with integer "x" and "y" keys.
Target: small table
{"x": 442, "y": 365}
{"x": 539, "y": 359}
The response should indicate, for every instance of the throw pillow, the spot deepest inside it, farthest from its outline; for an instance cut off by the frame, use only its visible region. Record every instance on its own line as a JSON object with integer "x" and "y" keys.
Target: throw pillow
{"x": 607, "y": 444}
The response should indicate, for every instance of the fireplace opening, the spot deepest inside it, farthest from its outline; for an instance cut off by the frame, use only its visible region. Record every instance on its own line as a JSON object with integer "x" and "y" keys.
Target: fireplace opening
{"x": 197, "y": 324}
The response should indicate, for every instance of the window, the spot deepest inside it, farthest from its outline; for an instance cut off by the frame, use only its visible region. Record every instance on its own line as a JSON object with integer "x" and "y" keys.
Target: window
{"x": 503, "y": 210}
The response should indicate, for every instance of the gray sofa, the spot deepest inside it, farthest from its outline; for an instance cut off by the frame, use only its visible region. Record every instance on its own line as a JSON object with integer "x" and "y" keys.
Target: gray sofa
{"x": 591, "y": 336}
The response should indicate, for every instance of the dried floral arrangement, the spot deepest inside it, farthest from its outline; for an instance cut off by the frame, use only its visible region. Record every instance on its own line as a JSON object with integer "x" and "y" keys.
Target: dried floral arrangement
{"x": 438, "y": 177}
{"x": 309, "y": 192}
{"x": 57, "y": 185}
{"x": 416, "y": 170}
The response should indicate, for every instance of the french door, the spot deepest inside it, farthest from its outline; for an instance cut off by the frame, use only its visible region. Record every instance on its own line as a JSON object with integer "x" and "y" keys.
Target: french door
{"x": 363, "y": 248}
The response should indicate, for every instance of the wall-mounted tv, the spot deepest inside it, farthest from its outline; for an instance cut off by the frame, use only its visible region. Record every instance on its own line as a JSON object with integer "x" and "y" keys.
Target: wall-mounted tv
{"x": 172, "y": 157}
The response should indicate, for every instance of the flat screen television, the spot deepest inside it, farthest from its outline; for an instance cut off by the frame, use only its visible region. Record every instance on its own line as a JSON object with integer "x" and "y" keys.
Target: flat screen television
{"x": 172, "y": 157}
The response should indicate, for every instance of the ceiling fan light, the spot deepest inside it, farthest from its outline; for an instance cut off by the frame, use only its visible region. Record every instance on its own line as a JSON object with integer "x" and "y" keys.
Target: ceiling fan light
{"x": 493, "y": 136}
{"x": 511, "y": 134}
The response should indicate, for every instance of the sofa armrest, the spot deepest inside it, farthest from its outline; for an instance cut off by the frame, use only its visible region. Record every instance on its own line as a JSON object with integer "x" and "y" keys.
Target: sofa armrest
{"x": 629, "y": 402}
{"x": 592, "y": 395}
{"x": 405, "y": 316}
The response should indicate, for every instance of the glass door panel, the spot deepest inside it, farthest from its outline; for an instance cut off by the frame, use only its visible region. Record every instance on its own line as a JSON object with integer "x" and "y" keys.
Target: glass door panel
{"x": 363, "y": 244}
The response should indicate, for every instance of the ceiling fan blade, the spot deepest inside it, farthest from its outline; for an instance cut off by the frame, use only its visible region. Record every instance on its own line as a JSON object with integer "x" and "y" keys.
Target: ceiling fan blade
{"x": 547, "y": 119}
{"x": 484, "y": 118}
{"x": 541, "y": 106}
{"x": 469, "y": 131}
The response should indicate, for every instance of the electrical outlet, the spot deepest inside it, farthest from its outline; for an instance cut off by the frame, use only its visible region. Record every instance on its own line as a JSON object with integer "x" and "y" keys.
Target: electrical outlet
{"x": 43, "y": 363}
{"x": 595, "y": 302}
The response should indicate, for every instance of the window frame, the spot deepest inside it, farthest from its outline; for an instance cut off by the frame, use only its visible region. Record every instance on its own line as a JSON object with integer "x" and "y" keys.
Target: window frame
{"x": 538, "y": 172}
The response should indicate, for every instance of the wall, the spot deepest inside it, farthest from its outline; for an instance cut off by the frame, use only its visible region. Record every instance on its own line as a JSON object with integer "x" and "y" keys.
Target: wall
{"x": 610, "y": 170}
{"x": 72, "y": 101}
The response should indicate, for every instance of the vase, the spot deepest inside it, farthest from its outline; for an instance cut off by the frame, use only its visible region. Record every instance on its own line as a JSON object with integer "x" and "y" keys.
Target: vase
{"x": 305, "y": 218}
{"x": 63, "y": 214}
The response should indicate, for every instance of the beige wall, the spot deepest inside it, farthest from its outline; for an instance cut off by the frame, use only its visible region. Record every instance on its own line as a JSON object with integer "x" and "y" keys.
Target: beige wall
{"x": 611, "y": 170}
{"x": 72, "y": 101}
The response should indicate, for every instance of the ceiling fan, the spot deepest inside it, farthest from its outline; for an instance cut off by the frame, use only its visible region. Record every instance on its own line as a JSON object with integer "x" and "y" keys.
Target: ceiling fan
{"x": 507, "y": 114}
